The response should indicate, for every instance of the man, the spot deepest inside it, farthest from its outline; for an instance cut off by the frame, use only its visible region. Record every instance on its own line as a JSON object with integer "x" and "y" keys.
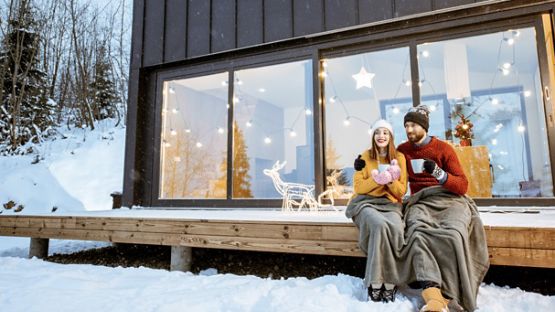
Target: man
{"x": 445, "y": 244}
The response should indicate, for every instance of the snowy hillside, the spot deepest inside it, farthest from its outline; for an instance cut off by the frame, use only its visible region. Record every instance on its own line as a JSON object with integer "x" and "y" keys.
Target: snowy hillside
{"x": 77, "y": 171}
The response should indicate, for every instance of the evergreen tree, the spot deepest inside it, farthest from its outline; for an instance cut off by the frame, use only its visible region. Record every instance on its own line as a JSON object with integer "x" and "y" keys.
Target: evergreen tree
{"x": 26, "y": 113}
{"x": 241, "y": 167}
{"x": 103, "y": 89}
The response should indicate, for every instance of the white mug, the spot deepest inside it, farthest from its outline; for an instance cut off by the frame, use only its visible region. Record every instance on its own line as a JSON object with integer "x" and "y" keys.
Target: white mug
{"x": 382, "y": 167}
{"x": 417, "y": 165}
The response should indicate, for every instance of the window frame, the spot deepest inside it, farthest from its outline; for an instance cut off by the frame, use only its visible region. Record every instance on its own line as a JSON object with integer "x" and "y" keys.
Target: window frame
{"x": 334, "y": 46}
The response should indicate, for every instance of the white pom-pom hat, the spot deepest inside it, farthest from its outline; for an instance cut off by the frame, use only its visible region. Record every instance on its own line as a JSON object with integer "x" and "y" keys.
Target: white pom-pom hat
{"x": 380, "y": 123}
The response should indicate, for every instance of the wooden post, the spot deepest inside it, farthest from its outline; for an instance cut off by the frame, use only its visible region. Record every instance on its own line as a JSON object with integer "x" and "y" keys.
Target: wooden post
{"x": 38, "y": 248}
{"x": 181, "y": 258}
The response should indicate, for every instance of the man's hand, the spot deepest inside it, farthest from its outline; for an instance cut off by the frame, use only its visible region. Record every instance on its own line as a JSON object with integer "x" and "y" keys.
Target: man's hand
{"x": 359, "y": 163}
{"x": 432, "y": 168}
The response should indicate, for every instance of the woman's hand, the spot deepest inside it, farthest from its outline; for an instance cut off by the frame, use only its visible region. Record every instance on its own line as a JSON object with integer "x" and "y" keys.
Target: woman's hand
{"x": 382, "y": 178}
{"x": 394, "y": 170}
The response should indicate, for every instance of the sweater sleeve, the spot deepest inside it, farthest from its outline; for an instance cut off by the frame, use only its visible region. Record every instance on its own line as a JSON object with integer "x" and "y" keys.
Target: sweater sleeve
{"x": 456, "y": 179}
{"x": 399, "y": 187}
{"x": 363, "y": 182}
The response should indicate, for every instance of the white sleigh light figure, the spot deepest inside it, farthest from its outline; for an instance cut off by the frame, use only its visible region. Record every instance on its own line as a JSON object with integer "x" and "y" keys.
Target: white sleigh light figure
{"x": 294, "y": 194}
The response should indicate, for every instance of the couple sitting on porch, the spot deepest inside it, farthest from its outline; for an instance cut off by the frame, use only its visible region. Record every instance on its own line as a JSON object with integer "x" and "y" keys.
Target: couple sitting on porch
{"x": 433, "y": 239}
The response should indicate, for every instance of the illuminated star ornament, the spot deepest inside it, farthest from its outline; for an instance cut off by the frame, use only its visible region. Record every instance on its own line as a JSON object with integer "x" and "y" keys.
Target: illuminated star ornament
{"x": 364, "y": 78}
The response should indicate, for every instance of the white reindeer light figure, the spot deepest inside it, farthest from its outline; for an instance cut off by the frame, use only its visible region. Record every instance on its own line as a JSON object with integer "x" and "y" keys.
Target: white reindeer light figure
{"x": 294, "y": 194}
{"x": 332, "y": 190}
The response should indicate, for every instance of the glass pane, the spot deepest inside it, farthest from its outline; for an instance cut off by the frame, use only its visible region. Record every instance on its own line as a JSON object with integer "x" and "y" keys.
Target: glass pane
{"x": 272, "y": 122}
{"x": 194, "y": 138}
{"x": 360, "y": 89}
{"x": 491, "y": 89}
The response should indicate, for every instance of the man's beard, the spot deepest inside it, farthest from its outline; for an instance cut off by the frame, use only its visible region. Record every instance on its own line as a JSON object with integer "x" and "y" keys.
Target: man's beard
{"x": 415, "y": 137}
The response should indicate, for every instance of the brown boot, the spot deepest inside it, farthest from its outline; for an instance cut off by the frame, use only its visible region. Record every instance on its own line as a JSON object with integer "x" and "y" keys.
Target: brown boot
{"x": 434, "y": 300}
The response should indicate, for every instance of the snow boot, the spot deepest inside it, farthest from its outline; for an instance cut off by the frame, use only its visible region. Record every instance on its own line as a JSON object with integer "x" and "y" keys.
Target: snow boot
{"x": 435, "y": 302}
{"x": 388, "y": 295}
{"x": 375, "y": 294}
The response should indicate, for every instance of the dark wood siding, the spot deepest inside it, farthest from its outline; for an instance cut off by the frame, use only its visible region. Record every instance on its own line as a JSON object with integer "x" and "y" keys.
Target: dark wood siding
{"x": 153, "y": 40}
{"x": 307, "y": 17}
{"x": 374, "y": 10}
{"x": 442, "y": 4}
{"x": 278, "y": 20}
{"x": 175, "y": 43}
{"x": 250, "y": 21}
{"x": 222, "y": 34}
{"x": 198, "y": 28}
{"x": 407, "y": 7}
{"x": 340, "y": 13}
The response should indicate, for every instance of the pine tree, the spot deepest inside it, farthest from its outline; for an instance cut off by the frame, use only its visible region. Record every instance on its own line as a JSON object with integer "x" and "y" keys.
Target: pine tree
{"x": 103, "y": 89}
{"x": 26, "y": 113}
{"x": 241, "y": 167}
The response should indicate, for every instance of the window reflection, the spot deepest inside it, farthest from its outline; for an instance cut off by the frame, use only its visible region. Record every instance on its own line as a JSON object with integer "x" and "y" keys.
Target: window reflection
{"x": 272, "y": 122}
{"x": 492, "y": 87}
{"x": 358, "y": 90}
{"x": 194, "y": 138}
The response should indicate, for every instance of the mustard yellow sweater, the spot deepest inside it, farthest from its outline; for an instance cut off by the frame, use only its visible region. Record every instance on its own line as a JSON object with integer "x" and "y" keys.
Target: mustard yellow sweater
{"x": 364, "y": 184}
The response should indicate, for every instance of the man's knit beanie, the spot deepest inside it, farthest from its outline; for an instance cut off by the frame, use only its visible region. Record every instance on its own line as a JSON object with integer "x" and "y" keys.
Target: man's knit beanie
{"x": 420, "y": 115}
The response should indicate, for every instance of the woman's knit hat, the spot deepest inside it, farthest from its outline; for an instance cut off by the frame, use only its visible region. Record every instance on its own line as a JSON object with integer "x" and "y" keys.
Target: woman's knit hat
{"x": 381, "y": 123}
{"x": 420, "y": 115}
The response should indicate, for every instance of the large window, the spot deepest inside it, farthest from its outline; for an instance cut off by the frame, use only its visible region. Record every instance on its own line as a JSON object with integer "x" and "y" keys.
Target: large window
{"x": 194, "y": 138}
{"x": 490, "y": 85}
{"x": 357, "y": 90}
{"x": 272, "y": 122}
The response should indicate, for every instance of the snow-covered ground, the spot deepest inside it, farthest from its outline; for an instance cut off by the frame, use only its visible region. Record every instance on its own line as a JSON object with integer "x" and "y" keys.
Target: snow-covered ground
{"x": 77, "y": 174}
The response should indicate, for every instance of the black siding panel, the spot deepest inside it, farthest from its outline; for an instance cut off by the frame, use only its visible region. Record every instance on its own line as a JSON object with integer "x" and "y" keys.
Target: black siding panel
{"x": 222, "y": 35}
{"x": 198, "y": 28}
{"x": 340, "y": 13}
{"x": 308, "y": 17}
{"x": 250, "y": 23}
{"x": 137, "y": 34}
{"x": 374, "y": 10}
{"x": 175, "y": 43}
{"x": 278, "y": 20}
{"x": 153, "y": 45}
{"x": 407, "y": 7}
{"x": 442, "y": 4}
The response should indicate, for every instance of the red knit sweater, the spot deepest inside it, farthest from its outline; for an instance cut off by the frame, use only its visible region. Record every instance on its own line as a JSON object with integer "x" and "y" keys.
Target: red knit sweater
{"x": 445, "y": 157}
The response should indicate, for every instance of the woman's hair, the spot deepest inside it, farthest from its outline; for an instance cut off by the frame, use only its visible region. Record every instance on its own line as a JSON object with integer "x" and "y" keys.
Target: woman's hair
{"x": 391, "y": 152}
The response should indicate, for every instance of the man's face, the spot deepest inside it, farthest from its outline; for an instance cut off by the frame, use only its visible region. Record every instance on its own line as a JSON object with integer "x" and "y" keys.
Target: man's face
{"x": 415, "y": 132}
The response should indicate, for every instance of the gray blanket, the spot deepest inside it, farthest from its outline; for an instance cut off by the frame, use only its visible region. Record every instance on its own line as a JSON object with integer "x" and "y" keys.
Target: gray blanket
{"x": 381, "y": 228}
{"x": 445, "y": 243}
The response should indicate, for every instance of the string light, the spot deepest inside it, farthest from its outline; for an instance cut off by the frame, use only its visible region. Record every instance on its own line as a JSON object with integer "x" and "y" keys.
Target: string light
{"x": 527, "y": 93}
{"x": 175, "y": 110}
{"x": 221, "y": 130}
{"x": 396, "y": 110}
{"x": 187, "y": 130}
{"x": 521, "y": 128}
{"x": 173, "y": 132}
{"x": 172, "y": 90}
{"x": 292, "y": 133}
{"x": 346, "y": 122}
{"x": 267, "y": 140}
{"x": 248, "y": 124}
{"x": 199, "y": 144}
{"x": 261, "y": 90}
{"x": 307, "y": 112}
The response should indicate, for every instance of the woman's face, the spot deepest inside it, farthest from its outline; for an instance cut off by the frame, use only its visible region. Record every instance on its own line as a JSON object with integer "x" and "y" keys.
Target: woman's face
{"x": 381, "y": 137}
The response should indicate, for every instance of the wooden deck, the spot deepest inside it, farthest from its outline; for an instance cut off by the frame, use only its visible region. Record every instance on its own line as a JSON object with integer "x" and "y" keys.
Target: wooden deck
{"x": 508, "y": 245}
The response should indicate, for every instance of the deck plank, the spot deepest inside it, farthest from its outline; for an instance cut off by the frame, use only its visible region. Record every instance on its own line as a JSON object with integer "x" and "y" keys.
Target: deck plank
{"x": 516, "y": 245}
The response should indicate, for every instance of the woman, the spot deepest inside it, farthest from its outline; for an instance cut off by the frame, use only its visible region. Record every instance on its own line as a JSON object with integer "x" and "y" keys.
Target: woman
{"x": 380, "y": 181}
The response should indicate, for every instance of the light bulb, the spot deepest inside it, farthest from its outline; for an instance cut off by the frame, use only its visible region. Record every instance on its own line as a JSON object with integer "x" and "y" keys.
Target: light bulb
{"x": 187, "y": 130}
{"x": 527, "y": 93}
{"x": 521, "y": 128}
{"x": 261, "y": 90}
{"x": 248, "y": 124}
{"x": 332, "y": 99}
{"x": 267, "y": 140}
{"x": 308, "y": 112}
{"x": 396, "y": 110}
{"x": 425, "y": 53}
{"x": 292, "y": 133}
{"x": 221, "y": 130}
{"x": 172, "y": 90}
{"x": 173, "y": 132}
{"x": 506, "y": 65}
{"x": 494, "y": 141}
{"x": 199, "y": 145}
{"x": 175, "y": 110}
{"x": 346, "y": 122}
{"x": 408, "y": 83}
{"x": 494, "y": 101}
